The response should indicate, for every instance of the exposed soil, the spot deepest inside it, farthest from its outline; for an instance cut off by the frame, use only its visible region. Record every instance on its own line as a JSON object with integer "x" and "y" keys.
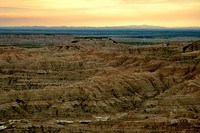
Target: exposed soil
{"x": 98, "y": 85}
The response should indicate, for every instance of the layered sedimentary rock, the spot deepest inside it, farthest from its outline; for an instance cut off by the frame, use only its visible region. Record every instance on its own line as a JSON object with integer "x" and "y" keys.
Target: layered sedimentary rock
{"x": 95, "y": 84}
{"x": 195, "y": 46}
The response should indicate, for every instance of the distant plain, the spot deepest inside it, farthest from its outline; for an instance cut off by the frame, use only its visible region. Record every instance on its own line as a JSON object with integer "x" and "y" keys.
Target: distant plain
{"x": 136, "y": 37}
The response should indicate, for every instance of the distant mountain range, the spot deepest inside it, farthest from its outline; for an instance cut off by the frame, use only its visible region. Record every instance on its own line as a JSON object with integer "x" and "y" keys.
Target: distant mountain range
{"x": 96, "y": 28}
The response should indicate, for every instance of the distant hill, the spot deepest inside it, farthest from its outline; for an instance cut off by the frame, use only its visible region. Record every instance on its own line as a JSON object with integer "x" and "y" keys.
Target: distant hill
{"x": 94, "y": 28}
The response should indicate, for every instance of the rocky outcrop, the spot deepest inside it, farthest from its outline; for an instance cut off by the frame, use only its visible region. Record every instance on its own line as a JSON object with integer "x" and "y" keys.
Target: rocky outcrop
{"x": 151, "y": 88}
{"x": 85, "y": 43}
{"x": 195, "y": 46}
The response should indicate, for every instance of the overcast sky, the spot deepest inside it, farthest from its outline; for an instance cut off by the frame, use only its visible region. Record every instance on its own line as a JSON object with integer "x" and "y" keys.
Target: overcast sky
{"x": 169, "y": 13}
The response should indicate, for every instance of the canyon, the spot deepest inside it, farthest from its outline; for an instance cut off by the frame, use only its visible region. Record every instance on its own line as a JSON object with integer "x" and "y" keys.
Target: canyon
{"x": 94, "y": 84}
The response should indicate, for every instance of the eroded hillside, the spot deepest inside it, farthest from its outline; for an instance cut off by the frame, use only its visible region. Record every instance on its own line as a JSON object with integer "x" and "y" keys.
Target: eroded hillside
{"x": 97, "y": 85}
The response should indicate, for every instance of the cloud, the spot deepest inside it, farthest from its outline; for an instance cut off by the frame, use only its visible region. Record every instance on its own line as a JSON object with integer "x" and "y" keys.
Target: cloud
{"x": 56, "y": 4}
{"x": 99, "y": 12}
{"x": 158, "y": 1}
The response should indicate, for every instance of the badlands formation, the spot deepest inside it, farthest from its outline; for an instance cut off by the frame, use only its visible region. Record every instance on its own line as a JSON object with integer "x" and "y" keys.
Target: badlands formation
{"x": 98, "y": 85}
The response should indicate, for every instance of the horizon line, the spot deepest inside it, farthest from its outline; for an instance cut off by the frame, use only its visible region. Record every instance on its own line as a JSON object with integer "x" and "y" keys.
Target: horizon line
{"x": 144, "y": 25}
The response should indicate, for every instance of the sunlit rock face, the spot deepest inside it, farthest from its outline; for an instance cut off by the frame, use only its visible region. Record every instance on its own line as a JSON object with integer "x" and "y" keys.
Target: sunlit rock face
{"x": 96, "y": 84}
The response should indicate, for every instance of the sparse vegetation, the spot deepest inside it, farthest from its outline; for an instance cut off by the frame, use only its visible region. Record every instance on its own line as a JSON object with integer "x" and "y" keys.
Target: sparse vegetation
{"x": 138, "y": 43}
{"x": 91, "y": 38}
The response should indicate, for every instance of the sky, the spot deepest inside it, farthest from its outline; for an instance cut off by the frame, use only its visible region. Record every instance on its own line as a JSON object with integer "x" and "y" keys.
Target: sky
{"x": 100, "y": 13}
